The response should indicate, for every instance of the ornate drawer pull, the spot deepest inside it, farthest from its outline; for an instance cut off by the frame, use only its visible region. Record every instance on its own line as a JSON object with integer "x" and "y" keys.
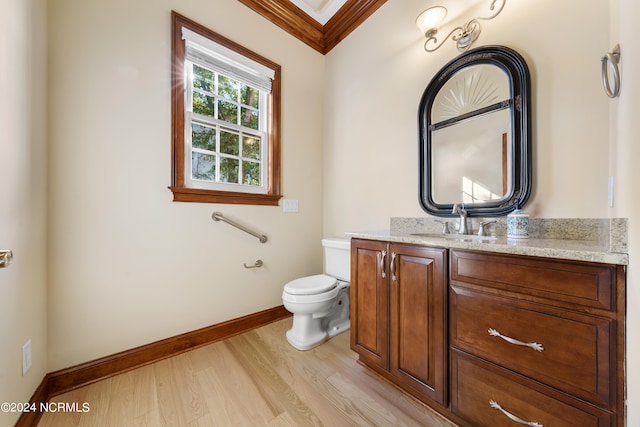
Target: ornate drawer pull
{"x": 533, "y": 345}
{"x": 495, "y": 405}
{"x": 393, "y": 266}
{"x": 382, "y": 257}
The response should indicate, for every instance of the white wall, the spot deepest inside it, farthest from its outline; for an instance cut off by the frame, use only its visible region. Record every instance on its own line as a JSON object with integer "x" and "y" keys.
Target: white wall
{"x": 625, "y": 153}
{"x": 374, "y": 81}
{"x": 128, "y": 266}
{"x": 22, "y": 199}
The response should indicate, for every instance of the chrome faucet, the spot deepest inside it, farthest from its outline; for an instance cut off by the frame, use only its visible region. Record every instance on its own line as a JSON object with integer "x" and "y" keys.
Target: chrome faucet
{"x": 460, "y": 210}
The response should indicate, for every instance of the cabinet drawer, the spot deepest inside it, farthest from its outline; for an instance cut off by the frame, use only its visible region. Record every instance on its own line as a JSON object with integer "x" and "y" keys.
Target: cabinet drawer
{"x": 569, "y": 282}
{"x": 575, "y": 348}
{"x": 475, "y": 384}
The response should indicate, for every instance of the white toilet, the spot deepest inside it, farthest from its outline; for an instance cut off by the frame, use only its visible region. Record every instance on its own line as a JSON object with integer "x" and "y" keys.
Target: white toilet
{"x": 320, "y": 303}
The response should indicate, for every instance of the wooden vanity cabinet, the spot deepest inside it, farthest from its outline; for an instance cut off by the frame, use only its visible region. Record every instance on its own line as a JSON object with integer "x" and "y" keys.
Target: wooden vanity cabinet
{"x": 535, "y": 339}
{"x": 528, "y": 340}
{"x": 398, "y": 314}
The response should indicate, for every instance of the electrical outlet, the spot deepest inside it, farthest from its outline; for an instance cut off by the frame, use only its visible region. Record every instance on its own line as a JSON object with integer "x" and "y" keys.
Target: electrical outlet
{"x": 26, "y": 357}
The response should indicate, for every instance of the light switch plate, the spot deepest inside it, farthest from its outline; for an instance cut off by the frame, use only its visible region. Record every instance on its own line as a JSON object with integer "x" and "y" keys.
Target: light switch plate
{"x": 289, "y": 205}
{"x": 26, "y": 357}
{"x": 611, "y": 183}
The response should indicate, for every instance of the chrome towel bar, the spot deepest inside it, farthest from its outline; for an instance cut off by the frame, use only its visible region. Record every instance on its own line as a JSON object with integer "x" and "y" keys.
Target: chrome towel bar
{"x": 217, "y": 216}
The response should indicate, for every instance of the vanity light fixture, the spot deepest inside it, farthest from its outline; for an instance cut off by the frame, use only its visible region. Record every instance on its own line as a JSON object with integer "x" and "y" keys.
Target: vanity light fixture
{"x": 464, "y": 35}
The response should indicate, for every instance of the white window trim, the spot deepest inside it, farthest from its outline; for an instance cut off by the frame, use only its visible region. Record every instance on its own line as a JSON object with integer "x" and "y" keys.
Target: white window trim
{"x": 208, "y": 54}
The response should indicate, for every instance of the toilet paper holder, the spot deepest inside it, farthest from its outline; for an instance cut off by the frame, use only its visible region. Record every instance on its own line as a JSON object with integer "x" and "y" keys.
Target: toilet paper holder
{"x": 257, "y": 264}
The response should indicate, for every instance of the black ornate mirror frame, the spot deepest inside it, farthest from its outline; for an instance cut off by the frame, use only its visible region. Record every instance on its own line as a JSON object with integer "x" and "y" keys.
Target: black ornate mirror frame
{"x": 520, "y": 81}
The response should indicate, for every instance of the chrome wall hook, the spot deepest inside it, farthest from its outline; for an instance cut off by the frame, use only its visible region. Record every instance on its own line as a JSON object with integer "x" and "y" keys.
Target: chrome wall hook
{"x": 257, "y": 264}
{"x": 611, "y": 61}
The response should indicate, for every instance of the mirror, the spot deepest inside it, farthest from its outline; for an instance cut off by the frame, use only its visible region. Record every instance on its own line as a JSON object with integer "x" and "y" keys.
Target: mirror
{"x": 475, "y": 132}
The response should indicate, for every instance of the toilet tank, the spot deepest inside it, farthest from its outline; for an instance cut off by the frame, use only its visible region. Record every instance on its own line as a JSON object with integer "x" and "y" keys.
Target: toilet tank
{"x": 337, "y": 258}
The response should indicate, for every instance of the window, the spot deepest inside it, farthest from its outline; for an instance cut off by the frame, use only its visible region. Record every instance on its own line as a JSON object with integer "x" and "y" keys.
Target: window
{"x": 225, "y": 119}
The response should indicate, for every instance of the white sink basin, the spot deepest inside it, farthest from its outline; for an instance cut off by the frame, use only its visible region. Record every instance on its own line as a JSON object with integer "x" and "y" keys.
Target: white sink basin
{"x": 466, "y": 237}
{"x": 431, "y": 235}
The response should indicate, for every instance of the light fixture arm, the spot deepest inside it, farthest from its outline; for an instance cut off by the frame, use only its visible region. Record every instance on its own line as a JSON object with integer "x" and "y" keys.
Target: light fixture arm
{"x": 464, "y": 35}
{"x": 470, "y": 29}
{"x": 496, "y": 13}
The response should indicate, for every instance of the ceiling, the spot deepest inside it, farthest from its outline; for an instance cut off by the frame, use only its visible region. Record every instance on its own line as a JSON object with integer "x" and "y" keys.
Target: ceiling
{"x": 320, "y": 10}
{"x": 321, "y": 24}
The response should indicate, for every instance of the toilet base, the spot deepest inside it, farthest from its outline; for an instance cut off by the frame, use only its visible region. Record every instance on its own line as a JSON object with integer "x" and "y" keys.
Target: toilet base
{"x": 309, "y": 330}
{"x": 309, "y": 341}
{"x": 306, "y": 332}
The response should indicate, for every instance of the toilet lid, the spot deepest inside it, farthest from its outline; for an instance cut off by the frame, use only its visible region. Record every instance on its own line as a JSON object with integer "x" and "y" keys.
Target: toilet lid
{"x": 311, "y": 285}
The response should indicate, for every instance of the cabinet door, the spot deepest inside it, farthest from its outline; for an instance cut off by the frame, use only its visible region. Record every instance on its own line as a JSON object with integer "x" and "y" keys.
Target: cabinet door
{"x": 369, "y": 302}
{"x": 418, "y": 345}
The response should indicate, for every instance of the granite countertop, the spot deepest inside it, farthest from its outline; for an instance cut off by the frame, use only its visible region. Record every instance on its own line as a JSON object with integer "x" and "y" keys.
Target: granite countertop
{"x": 607, "y": 244}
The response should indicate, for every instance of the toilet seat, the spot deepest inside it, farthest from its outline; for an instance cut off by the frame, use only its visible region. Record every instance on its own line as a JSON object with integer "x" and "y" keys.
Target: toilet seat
{"x": 311, "y": 285}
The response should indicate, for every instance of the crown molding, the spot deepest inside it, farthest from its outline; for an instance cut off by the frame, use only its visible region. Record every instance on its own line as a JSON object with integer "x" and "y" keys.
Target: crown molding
{"x": 320, "y": 37}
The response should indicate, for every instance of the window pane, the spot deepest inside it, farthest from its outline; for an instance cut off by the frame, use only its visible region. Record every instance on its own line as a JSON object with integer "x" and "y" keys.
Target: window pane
{"x": 228, "y": 111}
{"x": 228, "y": 88}
{"x": 203, "y": 137}
{"x": 249, "y": 96}
{"x": 203, "y": 79}
{"x": 251, "y": 148}
{"x": 251, "y": 172}
{"x": 229, "y": 170}
{"x": 203, "y": 104}
{"x": 203, "y": 166}
{"x": 229, "y": 143}
{"x": 249, "y": 118}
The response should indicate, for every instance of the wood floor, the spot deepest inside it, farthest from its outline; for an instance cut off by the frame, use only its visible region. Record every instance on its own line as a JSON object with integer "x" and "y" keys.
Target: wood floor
{"x": 253, "y": 379}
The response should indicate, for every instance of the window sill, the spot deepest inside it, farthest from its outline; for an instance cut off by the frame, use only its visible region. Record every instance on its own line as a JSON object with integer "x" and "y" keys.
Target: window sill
{"x": 182, "y": 194}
